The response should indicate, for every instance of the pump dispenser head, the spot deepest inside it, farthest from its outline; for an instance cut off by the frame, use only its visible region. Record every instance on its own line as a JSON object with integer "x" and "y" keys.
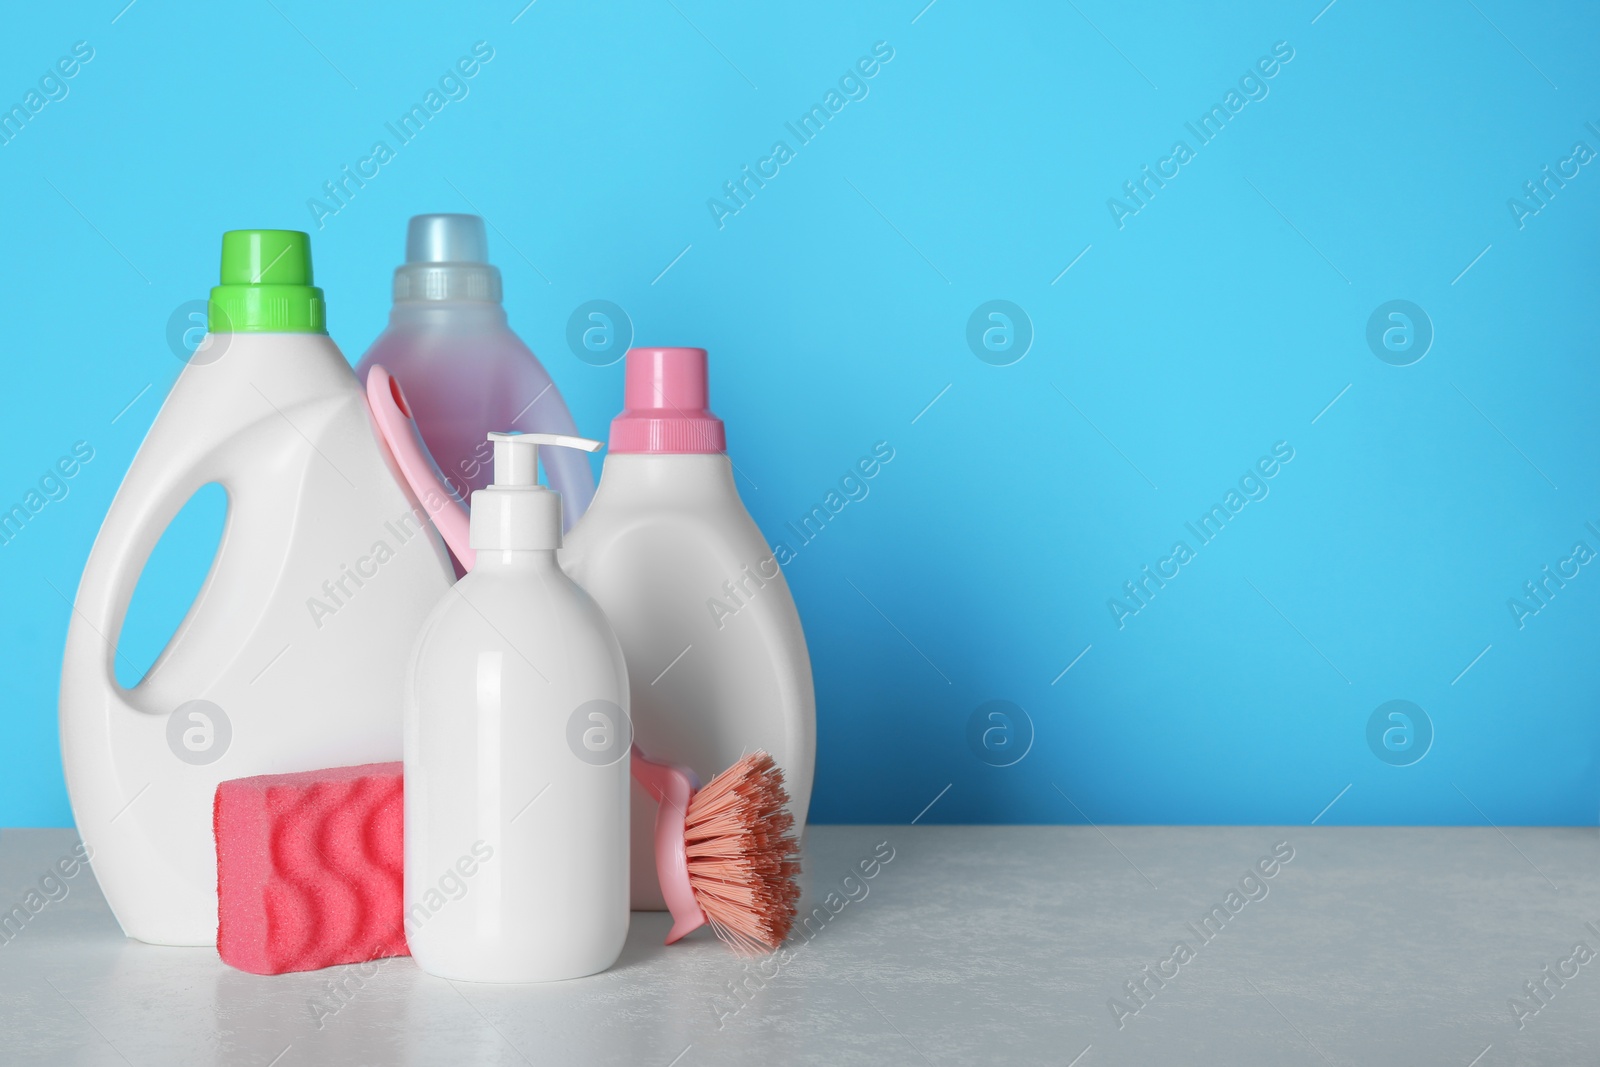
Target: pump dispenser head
{"x": 515, "y": 511}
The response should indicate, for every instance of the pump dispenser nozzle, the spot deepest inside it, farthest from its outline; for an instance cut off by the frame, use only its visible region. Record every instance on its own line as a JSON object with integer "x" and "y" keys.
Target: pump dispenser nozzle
{"x": 516, "y": 455}
{"x": 516, "y": 512}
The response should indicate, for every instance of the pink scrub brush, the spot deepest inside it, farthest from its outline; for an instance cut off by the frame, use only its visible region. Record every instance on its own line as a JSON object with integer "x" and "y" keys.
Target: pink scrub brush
{"x": 725, "y": 854}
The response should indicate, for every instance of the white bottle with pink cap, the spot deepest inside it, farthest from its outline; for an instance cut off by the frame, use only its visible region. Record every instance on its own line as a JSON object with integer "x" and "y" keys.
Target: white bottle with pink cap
{"x": 717, "y": 662}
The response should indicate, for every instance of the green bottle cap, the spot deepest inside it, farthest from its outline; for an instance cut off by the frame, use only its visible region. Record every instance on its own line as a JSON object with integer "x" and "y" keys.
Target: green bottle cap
{"x": 266, "y": 285}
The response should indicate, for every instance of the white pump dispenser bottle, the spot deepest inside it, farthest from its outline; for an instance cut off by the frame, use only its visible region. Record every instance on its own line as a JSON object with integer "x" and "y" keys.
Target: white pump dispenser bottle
{"x": 517, "y": 753}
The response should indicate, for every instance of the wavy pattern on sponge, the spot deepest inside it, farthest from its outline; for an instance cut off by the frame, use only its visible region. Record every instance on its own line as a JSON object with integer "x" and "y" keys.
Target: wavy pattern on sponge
{"x": 310, "y": 868}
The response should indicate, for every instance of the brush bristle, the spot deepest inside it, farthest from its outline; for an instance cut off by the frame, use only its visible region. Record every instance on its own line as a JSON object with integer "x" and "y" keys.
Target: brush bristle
{"x": 743, "y": 859}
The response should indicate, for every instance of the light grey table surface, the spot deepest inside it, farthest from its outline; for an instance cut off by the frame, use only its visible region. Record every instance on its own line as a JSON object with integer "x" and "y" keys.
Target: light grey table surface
{"x": 971, "y": 945}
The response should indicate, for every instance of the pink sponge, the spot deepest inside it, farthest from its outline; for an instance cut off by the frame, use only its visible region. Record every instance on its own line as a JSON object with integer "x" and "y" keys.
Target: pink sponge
{"x": 309, "y": 868}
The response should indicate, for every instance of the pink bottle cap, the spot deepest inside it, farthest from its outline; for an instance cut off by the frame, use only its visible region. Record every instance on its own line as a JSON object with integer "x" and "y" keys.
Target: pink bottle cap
{"x": 665, "y": 404}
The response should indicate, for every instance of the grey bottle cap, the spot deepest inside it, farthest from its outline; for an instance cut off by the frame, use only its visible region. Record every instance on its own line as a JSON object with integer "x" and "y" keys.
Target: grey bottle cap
{"x": 446, "y": 239}
{"x": 447, "y": 258}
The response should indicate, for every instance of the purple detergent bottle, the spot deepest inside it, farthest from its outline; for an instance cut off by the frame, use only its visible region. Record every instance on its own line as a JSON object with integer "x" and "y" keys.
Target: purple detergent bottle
{"x": 464, "y": 372}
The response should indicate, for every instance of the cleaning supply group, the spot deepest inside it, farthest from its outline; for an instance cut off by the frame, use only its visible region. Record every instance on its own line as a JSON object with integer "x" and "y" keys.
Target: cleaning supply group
{"x": 344, "y": 752}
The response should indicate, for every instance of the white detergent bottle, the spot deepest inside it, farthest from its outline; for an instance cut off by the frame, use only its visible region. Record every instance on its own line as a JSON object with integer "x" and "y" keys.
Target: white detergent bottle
{"x": 291, "y": 656}
{"x": 716, "y": 657}
{"x": 516, "y": 753}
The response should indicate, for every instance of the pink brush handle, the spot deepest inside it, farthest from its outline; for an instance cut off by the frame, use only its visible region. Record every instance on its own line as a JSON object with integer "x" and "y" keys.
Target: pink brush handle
{"x": 399, "y": 431}
{"x": 671, "y": 786}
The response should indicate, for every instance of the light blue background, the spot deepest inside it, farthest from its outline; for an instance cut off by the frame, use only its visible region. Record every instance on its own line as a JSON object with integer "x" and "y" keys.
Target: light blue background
{"x": 1224, "y": 317}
